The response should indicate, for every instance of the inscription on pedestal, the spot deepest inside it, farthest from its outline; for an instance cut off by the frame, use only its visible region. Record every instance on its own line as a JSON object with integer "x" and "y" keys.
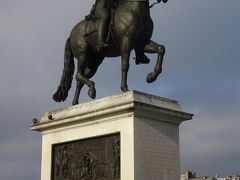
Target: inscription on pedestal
{"x": 88, "y": 159}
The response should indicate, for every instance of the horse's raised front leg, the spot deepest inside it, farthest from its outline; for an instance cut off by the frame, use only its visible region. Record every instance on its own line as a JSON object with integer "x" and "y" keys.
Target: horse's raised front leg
{"x": 125, "y": 54}
{"x": 153, "y": 47}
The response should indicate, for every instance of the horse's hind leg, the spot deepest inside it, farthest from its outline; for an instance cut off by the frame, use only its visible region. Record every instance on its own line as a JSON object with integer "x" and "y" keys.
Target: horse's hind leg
{"x": 77, "y": 92}
{"x": 153, "y": 47}
{"x": 88, "y": 73}
{"x": 80, "y": 76}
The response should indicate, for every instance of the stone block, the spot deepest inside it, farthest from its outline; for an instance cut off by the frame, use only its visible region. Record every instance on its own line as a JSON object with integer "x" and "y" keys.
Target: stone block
{"x": 148, "y": 129}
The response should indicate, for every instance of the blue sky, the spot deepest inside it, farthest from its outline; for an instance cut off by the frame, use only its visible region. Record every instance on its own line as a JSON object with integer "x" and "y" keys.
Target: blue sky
{"x": 200, "y": 70}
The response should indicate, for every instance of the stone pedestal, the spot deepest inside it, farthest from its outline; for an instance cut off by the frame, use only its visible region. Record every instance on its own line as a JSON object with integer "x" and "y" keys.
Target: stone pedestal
{"x": 137, "y": 133}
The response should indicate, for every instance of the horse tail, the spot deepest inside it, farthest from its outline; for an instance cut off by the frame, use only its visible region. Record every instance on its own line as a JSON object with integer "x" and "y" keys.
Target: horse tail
{"x": 67, "y": 75}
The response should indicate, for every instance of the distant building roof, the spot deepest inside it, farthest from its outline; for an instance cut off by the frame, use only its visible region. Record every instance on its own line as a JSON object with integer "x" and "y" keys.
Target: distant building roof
{"x": 192, "y": 176}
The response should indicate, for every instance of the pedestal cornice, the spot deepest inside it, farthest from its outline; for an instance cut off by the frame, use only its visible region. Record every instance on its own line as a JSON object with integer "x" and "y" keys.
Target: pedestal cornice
{"x": 131, "y": 103}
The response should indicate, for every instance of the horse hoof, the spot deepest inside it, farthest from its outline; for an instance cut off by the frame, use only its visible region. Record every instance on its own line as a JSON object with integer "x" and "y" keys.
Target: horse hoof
{"x": 124, "y": 89}
{"x": 74, "y": 103}
{"x": 92, "y": 93}
{"x": 151, "y": 77}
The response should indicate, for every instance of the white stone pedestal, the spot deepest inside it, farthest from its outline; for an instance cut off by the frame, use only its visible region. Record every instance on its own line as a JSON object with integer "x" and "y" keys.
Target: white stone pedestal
{"x": 148, "y": 127}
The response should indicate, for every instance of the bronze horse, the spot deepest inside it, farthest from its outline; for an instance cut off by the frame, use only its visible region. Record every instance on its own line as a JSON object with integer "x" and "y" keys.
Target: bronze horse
{"x": 131, "y": 28}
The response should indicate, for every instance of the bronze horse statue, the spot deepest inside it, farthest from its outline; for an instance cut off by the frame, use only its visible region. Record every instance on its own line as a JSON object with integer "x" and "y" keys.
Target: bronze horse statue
{"x": 131, "y": 28}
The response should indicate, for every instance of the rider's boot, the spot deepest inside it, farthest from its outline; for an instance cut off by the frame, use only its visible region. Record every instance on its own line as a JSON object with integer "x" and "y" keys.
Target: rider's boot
{"x": 141, "y": 58}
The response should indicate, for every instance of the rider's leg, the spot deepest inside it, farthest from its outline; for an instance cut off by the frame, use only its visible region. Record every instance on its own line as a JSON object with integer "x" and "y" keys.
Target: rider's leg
{"x": 102, "y": 33}
{"x": 103, "y": 13}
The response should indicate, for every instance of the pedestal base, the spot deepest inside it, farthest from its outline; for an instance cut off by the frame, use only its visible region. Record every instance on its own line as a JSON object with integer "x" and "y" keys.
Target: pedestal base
{"x": 131, "y": 136}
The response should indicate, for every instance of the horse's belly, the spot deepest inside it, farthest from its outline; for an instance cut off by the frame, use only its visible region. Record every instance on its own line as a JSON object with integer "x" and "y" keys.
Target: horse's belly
{"x": 112, "y": 52}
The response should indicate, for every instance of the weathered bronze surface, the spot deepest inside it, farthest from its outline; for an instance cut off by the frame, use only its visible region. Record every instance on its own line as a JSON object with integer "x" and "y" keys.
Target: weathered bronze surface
{"x": 89, "y": 159}
{"x": 113, "y": 28}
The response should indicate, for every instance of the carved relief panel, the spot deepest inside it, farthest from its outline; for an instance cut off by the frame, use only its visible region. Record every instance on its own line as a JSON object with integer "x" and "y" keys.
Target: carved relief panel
{"x": 89, "y": 159}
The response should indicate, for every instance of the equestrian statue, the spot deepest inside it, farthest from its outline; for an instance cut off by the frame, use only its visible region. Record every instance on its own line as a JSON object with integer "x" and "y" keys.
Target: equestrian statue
{"x": 113, "y": 28}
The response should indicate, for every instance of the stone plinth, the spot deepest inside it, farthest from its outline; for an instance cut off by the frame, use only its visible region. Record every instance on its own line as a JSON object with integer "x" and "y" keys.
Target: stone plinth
{"x": 148, "y": 127}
